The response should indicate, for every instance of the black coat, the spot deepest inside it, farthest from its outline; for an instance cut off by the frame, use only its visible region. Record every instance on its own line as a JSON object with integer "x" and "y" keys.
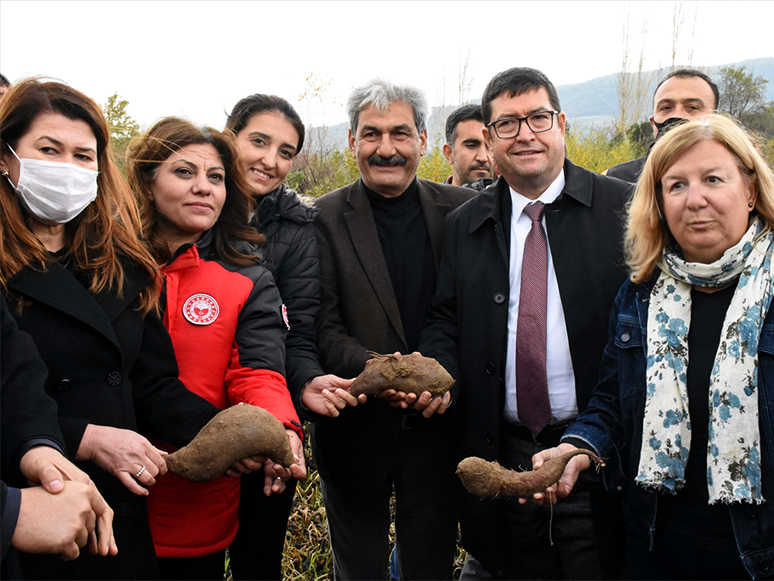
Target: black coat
{"x": 359, "y": 312}
{"x": 469, "y": 316}
{"x": 628, "y": 171}
{"x": 108, "y": 364}
{"x": 292, "y": 256}
{"x": 27, "y": 414}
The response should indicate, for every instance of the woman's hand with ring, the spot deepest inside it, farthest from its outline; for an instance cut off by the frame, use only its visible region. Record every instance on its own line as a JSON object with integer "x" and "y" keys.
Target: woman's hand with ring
{"x": 272, "y": 482}
{"x": 125, "y": 454}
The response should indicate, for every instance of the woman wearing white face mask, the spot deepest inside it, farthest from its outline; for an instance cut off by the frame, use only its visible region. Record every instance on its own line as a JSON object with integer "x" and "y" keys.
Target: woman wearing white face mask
{"x": 79, "y": 281}
{"x": 53, "y": 192}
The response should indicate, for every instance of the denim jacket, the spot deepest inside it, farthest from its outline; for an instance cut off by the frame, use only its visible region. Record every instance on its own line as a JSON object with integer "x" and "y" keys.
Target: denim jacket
{"x": 612, "y": 426}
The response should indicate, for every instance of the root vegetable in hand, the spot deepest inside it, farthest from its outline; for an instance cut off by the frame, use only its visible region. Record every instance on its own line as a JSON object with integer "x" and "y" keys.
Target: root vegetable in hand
{"x": 490, "y": 480}
{"x": 407, "y": 373}
{"x": 232, "y": 435}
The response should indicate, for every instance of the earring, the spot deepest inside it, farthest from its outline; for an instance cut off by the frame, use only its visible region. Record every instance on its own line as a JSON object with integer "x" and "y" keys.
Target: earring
{"x": 750, "y": 205}
{"x": 4, "y": 173}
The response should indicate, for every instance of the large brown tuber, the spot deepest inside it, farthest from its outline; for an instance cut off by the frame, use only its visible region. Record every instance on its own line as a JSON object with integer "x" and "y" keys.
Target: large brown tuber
{"x": 490, "y": 480}
{"x": 407, "y": 373}
{"x": 232, "y": 435}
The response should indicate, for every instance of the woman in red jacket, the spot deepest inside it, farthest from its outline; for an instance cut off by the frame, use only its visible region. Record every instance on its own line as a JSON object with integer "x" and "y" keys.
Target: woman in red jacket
{"x": 226, "y": 320}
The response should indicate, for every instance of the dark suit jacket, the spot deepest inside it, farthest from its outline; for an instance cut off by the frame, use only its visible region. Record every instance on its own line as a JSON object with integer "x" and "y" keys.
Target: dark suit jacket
{"x": 359, "y": 312}
{"x": 108, "y": 364}
{"x": 628, "y": 171}
{"x": 468, "y": 324}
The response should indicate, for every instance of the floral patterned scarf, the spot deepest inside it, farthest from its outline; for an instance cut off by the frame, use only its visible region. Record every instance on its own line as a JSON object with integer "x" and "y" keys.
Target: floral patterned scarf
{"x": 733, "y": 454}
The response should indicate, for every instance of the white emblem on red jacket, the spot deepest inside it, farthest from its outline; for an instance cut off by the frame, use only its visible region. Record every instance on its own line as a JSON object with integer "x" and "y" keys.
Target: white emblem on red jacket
{"x": 201, "y": 309}
{"x": 285, "y": 316}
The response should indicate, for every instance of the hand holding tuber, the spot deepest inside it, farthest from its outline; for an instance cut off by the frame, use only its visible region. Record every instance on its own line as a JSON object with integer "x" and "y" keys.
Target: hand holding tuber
{"x": 327, "y": 395}
{"x": 235, "y": 433}
{"x": 490, "y": 480}
{"x": 399, "y": 376}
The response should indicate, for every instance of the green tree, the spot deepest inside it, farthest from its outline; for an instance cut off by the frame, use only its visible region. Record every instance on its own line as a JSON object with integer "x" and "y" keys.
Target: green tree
{"x": 741, "y": 93}
{"x": 316, "y": 174}
{"x": 594, "y": 150}
{"x": 322, "y": 165}
{"x": 121, "y": 124}
{"x": 640, "y": 135}
{"x": 767, "y": 149}
{"x": 122, "y": 128}
{"x": 761, "y": 121}
{"x": 433, "y": 166}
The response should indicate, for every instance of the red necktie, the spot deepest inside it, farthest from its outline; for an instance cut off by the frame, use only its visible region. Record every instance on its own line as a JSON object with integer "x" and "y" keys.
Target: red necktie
{"x": 534, "y": 406}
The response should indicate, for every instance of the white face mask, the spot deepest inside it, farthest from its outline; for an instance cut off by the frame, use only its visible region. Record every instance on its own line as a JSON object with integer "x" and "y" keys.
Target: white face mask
{"x": 54, "y": 192}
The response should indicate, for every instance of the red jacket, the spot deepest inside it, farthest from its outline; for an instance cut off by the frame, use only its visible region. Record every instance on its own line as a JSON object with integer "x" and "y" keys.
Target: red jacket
{"x": 228, "y": 330}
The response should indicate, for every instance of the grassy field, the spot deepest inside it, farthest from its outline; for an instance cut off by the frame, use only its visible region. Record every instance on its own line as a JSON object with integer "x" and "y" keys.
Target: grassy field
{"x": 307, "y": 555}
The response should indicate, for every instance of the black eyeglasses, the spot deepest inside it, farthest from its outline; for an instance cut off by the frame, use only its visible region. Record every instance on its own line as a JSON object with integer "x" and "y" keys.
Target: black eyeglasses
{"x": 510, "y": 126}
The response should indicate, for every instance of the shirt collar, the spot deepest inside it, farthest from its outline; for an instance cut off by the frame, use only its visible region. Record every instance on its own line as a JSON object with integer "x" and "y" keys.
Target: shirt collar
{"x": 552, "y": 192}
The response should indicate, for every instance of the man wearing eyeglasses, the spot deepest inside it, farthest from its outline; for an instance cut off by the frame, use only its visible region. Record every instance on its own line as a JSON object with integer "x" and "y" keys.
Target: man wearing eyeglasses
{"x": 531, "y": 268}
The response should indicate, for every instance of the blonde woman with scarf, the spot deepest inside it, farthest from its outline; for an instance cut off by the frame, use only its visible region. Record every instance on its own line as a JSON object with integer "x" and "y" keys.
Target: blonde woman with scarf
{"x": 684, "y": 411}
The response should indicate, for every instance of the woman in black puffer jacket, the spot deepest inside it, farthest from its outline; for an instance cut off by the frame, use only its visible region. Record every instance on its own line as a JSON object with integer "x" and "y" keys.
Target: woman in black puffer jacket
{"x": 270, "y": 134}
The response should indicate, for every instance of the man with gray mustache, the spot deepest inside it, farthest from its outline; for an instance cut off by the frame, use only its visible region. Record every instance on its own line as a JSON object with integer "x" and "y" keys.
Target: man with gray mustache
{"x": 380, "y": 244}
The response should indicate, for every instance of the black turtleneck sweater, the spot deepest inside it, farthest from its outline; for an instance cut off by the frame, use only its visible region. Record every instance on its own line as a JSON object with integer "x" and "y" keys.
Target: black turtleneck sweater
{"x": 688, "y": 513}
{"x": 405, "y": 242}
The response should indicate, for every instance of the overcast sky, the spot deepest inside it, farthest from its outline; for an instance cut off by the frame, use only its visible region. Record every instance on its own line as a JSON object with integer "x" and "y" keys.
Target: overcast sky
{"x": 197, "y": 58}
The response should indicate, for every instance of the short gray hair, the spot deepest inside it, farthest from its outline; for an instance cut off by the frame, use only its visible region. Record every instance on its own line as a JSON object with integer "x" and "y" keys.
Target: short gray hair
{"x": 381, "y": 94}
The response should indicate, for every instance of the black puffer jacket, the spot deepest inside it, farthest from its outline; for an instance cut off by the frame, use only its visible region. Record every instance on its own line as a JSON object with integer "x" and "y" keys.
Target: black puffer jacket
{"x": 292, "y": 256}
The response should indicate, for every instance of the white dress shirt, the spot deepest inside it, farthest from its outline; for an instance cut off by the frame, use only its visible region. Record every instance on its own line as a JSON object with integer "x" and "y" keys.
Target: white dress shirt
{"x": 561, "y": 379}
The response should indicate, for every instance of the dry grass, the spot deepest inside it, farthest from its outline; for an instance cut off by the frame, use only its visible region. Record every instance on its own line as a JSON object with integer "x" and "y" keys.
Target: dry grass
{"x": 307, "y": 555}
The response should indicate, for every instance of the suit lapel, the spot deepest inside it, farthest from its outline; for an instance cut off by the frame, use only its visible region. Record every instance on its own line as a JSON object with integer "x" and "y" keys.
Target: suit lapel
{"x": 568, "y": 253}
{"x": 435, "y": 218}
{"x": 568, "y": 259}
{"x": 365, "y": 240}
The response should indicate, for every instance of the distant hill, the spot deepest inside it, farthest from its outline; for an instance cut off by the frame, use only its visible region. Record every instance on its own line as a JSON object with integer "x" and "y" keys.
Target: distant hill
{"x": 593, "y": 102}
{"x": 596, "y": 100}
